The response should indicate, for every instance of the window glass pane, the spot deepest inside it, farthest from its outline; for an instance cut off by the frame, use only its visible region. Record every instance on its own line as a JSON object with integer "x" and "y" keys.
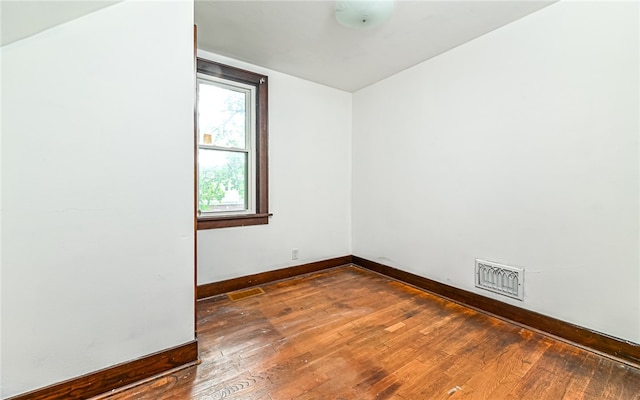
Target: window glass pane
{"x": 221, "y": 116}
{"x": 223, "y": 181}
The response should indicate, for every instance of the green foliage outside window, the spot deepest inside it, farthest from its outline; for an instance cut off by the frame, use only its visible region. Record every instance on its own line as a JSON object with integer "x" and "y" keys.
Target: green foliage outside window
{"x": 216, "y": 181}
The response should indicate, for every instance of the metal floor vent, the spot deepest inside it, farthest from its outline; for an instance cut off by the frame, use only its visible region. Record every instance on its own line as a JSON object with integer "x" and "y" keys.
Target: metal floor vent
{"x": 501, "y": 279}
{"x": 235, "y": 296}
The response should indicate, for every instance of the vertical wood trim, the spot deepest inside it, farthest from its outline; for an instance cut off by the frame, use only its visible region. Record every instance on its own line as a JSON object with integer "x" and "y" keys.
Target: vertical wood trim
{"x": 117, "y": 376}
{"x": 262, "y": 149}
{"x": 195, "y": 182}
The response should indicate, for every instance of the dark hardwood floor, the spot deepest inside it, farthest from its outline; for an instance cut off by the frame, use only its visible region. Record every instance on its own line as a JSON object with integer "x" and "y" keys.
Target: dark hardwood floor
{"x": 351, "y": 334}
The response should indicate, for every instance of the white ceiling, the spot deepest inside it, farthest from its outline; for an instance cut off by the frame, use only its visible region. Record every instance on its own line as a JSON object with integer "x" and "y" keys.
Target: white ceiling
{"x": 303, "y": 38}
{"x": 24, "y": 18}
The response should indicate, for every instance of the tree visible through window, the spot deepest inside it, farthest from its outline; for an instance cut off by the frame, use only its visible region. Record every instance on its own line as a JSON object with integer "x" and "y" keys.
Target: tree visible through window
{"x": 225, "y": 138}
{"x": 232, "y": 149}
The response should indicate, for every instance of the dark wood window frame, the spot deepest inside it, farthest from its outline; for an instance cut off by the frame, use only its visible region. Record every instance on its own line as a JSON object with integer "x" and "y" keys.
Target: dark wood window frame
{"x": 261, "y": 84}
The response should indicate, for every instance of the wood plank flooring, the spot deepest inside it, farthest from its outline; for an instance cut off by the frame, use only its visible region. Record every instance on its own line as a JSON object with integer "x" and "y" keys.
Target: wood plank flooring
{"x": 347, "y": 333}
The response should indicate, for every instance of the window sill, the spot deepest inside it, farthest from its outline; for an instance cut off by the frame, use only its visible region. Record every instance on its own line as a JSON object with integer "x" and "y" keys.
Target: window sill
{"x": 232, "y": 221}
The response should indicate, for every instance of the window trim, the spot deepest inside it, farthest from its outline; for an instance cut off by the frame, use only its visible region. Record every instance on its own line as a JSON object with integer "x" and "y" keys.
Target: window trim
{"x": 250, "y": 92}
{"x": 261, "y": 190}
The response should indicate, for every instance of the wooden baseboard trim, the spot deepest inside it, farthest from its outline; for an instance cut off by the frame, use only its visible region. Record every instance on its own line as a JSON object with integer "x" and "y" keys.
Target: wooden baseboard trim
{"x": 112, "y": 378}
{"x": 621, "y": 350}
{"x": 243, "y": 282}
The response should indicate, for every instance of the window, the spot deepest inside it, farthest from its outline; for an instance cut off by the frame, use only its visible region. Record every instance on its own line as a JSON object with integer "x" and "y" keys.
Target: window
{"x": 231, "y": 129}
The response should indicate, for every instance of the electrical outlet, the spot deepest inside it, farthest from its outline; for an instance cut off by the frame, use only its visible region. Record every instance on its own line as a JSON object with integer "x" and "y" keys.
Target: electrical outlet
{"x": 294, "y": 254}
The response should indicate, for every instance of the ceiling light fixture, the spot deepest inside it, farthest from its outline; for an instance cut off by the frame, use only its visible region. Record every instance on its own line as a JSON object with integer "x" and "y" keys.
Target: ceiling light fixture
{"x": 363, "y": 13}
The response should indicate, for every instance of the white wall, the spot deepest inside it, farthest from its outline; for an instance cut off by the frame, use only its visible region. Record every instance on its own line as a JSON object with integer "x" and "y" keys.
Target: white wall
{"x": 0, "y": 216}
{"x": 97, "y": 206}
{"x": 519, "y": 147}
{"x": 309, "y": 184}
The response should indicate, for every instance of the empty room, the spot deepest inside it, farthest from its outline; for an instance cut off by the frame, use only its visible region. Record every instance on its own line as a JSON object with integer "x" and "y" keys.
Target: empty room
{"x": 274, "y": 200}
